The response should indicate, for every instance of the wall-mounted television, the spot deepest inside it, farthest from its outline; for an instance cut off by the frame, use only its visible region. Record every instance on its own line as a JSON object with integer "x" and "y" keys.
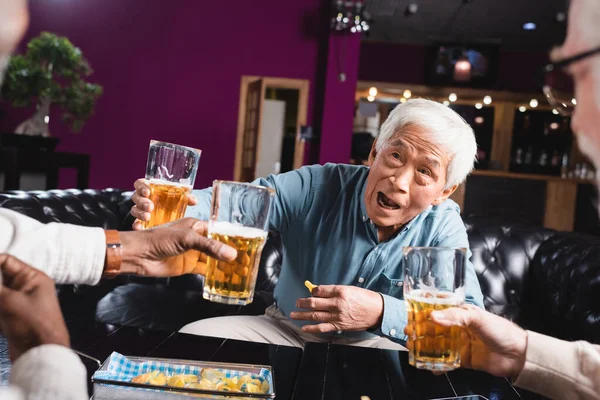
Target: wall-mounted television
{"x": 441, "y": 61}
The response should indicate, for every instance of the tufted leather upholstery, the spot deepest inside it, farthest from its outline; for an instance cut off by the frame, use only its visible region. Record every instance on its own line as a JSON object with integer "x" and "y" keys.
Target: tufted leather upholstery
{"x": 544, "y": 280}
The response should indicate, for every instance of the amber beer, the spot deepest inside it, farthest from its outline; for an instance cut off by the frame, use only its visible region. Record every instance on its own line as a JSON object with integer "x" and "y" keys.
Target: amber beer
{"x": 170, "y": 202}
{"x": 233, "y": 282}
{"x": 432, "y": 344}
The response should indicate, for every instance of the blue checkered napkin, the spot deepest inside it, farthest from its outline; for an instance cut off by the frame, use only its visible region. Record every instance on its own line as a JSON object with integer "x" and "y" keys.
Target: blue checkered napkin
{"x": 120, "y": 368}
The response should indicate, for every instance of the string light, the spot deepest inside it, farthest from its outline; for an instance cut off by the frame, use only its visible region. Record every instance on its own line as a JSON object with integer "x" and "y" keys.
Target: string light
{"x": 407, "y": 94}
{"x": 522, "y": 108}
{"x": 533, "y": 103}
{"x": 478, "y": 106}
{"x": 453, "y": 97}
{"x": 487, "y": 100}
{"x": 373, "y": 91}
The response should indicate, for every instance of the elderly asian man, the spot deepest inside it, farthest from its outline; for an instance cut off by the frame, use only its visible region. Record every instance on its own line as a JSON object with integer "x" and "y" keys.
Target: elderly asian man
{"x": 343, "y": 228}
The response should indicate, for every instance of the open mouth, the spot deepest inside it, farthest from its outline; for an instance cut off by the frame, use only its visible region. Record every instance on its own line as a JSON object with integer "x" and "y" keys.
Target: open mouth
{"x": 386, "y": 202}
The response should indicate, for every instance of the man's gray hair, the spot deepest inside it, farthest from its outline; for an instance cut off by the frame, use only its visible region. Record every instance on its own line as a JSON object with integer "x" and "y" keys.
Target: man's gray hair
{"x": 442, "y": 127}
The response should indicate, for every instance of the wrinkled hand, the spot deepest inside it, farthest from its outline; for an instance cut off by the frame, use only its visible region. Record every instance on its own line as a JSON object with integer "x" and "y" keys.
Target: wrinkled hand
{"x": 29, "y": 312}
{"x": 172, "y": 249}
{"x": 488, "y": 342}
{"x": 143, "y": 206}
{"x": 340, "y": 308}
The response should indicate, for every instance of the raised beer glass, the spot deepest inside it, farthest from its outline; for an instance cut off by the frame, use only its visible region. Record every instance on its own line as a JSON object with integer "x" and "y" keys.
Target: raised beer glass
{"x": 171, "y": 172}
{"x": 434, "y": 279}
{"x": 239, "y": 218}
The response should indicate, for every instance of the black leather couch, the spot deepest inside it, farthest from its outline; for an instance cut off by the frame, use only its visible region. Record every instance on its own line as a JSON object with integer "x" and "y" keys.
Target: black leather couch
{"x": 543, "y": 280}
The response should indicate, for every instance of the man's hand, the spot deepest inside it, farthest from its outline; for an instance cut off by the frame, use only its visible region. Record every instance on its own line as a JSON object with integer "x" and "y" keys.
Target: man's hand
{"x": 143, "y": 206}
{"x": 172, "y": 249}
{"x": 340, "y": 308}
{"x": 29, "y": 312}
{"x": 489, "y": 343}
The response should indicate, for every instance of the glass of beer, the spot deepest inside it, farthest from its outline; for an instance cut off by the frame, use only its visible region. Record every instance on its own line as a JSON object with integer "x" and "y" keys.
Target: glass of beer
{"x": 171, "y": 172}
{"x": 434, "y": 279}
{"x": 240, "y": 219}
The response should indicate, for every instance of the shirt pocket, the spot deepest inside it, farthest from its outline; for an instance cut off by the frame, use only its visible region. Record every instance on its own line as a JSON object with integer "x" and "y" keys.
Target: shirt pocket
{"x": 391, "y": 287}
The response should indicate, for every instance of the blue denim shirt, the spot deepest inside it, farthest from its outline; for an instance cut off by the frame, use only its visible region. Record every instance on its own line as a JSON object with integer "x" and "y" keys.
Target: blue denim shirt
{"x": 329, "y": 239}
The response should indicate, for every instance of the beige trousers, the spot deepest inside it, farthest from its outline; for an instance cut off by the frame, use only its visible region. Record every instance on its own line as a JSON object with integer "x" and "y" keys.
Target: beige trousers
{"x": 274, "y": 328}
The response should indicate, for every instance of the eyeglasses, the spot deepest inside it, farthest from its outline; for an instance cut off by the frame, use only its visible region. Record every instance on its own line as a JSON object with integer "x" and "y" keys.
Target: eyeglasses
{"x": 557, "y": 83}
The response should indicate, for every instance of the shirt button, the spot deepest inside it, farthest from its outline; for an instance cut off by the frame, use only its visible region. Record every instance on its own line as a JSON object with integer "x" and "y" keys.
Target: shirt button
{"x": 398, "y": 284}
{"x": 361, "y": 279}
{"x": 364, "y": 218}
{"x": 392, "y": 332}
{"x": 339, "y": 332}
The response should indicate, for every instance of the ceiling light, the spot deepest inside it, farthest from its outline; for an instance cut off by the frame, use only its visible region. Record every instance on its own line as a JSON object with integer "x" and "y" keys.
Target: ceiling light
{"x": 373, "y": 91}
{"x": 407, "y": 93}
{"x": 574, "y": 101}
{"x": 554, "y": 111}
{"x": 371, "y": 98}
{"x": 487, "y": 100}
{"x": 446, "y": 103}
{"x": 529, "y": 26}
{"x": 479, "y": 120}
{"x": 403, "y": 100}
{"x": 452, "y": 97}
{"x": 350, "y": 16}
{"x": 533, "y": 103}
{"x": 478, "y": 106}
{"x": 411, "y": 9}
{"x": 522, "y": 108}
{"x": 462, "y": 69}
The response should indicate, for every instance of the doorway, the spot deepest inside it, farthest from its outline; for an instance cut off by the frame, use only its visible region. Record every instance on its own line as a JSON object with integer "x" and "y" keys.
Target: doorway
{"x": 271, "y": 112}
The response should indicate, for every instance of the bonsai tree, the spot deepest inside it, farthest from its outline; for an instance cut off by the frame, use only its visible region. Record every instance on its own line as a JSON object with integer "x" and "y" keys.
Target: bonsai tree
{"x": 52, "y": 72}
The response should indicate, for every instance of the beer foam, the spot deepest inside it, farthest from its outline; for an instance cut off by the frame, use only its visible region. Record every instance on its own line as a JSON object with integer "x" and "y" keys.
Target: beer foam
{"x": 184, "y": 183}
{"x": 453, "y": 299}
{"x": 230, "y": 229}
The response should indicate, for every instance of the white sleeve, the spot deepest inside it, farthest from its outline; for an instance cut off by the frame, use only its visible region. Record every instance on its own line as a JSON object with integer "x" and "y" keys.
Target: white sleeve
{"x": 47, "y": 372}
{"x": 66, "y": 253}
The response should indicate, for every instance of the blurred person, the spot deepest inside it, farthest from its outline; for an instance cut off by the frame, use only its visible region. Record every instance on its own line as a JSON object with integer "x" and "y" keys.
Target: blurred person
{"x": 554, "y": 368}
{"x": 38, "y": 341}
{"x": 30, "y": 315}
{"x": 343, "y": 228}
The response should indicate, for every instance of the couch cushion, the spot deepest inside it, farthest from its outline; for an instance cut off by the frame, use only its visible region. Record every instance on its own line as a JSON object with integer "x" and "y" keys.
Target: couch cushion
{"x": 98, "y": 208}
{"x": 564, "y": 289}
{"x": 502, "y": 253}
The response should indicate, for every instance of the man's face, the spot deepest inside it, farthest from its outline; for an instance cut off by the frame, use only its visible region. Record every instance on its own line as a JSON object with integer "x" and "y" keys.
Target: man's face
{"x": 584, "y": 34}
{"x": 14, "y": 19}
{"x": 407, "y": 175}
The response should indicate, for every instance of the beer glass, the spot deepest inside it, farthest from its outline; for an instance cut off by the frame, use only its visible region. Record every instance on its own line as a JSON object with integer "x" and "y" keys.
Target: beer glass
{"x": 171, "y": 172}
{"x": 240, "y": 219}
{"x": 434, "y": 279}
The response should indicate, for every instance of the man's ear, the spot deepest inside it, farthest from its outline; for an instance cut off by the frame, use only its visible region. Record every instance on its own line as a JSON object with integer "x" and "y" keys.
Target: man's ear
{"x": 372, "y": 154}
{"x": 444, "y": 195}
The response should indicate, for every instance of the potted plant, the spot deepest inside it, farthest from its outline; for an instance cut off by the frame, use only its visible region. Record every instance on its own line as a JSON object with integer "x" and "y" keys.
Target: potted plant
{"x": 52, "y": 72}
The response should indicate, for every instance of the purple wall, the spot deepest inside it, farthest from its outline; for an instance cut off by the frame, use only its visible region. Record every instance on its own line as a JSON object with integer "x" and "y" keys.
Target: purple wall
{"x": 386, "y": 62}
{"x": 171, "y": 71}
{"x": 339, "y": 103}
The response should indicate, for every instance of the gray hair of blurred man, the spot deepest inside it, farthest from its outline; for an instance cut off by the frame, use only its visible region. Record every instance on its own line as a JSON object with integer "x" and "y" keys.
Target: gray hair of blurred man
{"x": 583, "y": 34}
{"x": 14, "y": 19}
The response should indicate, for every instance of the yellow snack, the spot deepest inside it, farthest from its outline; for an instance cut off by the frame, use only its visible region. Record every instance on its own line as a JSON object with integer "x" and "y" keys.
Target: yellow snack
{"x": 251, "y": 388}
{"x": 176, "y": 381}
{"x": 264, "y": 387}
{"x": 190, "y": 378}
{"x": 203, "y": 384}
{"x": 309, "y": 286}
{"x": 144, "y": 378}
{"x": 212, "y": 375}
{"x": 244, "y": 379}
{"x": 160, "y": 380}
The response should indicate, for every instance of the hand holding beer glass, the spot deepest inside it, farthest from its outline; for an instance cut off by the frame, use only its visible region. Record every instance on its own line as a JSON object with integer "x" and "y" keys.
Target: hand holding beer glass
{"x": 240, "y": 219}
{"x": 170, "y": 172}
{"x": 434, "y": 280}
